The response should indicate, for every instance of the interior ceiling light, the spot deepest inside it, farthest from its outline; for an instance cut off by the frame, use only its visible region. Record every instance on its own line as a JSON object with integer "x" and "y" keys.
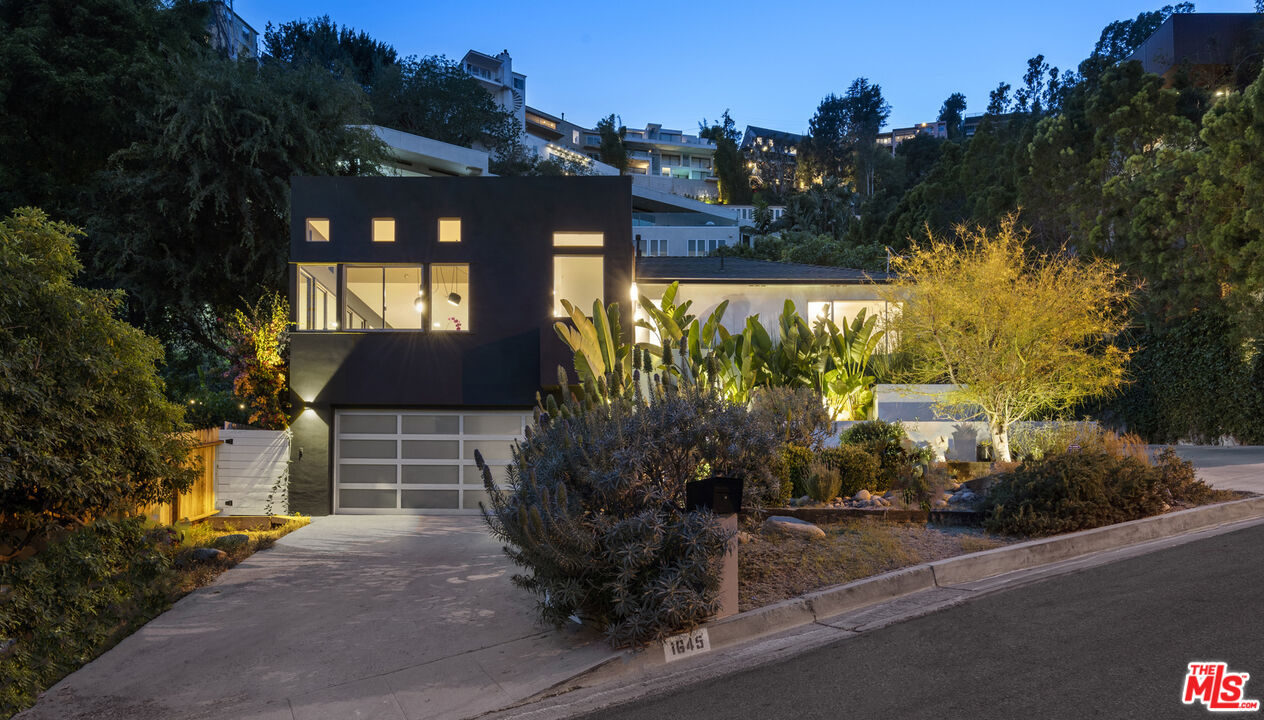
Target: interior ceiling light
{"x": 454, "y": 298}
{"x": 420, "y": 303}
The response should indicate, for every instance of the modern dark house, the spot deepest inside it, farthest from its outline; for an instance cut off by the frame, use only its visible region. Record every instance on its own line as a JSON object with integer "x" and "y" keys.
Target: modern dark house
{"x": 1209, "y": 46}
{"x": 424, "y": 312}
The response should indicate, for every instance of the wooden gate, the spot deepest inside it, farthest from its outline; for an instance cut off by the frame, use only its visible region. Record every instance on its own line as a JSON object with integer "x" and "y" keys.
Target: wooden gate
{"x": 198, "y": 501}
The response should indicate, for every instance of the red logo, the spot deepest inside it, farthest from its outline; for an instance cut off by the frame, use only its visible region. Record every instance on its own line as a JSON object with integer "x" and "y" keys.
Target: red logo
{"x": 1211, "y": 684}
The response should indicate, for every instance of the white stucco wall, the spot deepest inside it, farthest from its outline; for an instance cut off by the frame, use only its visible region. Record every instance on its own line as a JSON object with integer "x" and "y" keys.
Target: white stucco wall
{"x": 766, "y": 301}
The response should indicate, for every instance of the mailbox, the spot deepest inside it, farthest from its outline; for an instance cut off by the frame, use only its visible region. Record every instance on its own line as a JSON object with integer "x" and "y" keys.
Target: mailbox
{"x": 720, "y": 495}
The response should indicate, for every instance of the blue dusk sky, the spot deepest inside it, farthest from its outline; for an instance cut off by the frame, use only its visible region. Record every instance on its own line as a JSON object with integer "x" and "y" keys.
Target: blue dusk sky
{"x": 768, "y": 63}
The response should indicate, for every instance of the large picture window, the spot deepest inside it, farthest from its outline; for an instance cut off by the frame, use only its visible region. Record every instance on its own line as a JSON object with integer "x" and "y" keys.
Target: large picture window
{"x": 316, "y": 302}
{"x": 450, "y": 297}
{"x": 384, "y": 297}
{"x": 579, "y": 279}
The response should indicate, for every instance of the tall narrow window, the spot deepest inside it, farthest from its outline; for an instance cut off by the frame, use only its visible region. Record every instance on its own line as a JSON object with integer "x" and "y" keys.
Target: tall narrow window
{"x": 316, "y": 302}
{"x": 383, "y": 229}
{"x": 384, "y": 298}
{"x": 449, "y": 230}
{"x": 450, "y": 297}
{"x": 317, "y": 229}
{"x": 579, "y": 279}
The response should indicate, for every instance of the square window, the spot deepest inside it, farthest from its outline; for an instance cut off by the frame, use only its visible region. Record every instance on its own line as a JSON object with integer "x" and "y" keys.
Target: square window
{"x": 578, "y": 239}
{"x": 383, "y": 229}
{"x": 579, "y": 279}
{"x": 317, "y": 229}
{"x": 449, "y": 230}
{"x": 450, "y": 297}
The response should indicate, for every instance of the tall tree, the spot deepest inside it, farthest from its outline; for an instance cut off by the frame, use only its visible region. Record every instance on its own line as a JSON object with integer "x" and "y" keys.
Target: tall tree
{"x": 952, "y": 114}
{"x": 321, "y": 42}
{"x": 435, "y": 97}
{"x": 844, "y": 132}
{"x": 199, "y": 208}
{"x": 735, "y": 187}
{"x": 613, "y": 150}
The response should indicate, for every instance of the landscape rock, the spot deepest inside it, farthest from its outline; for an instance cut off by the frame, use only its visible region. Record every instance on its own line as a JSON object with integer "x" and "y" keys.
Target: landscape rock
{"x": 863, "y": 495}
{"x": 198, "y": 555}
{"x": 792, "y": 527}
{"x": 744, "y": 537}
{"x": 939, "y": 504}
{"x": 231, "y": 541}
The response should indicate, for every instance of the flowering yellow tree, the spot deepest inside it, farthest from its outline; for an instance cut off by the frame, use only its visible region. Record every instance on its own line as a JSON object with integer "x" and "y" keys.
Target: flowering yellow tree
{"x": 258, "y": 341}
{"x": 1015, "y": 331}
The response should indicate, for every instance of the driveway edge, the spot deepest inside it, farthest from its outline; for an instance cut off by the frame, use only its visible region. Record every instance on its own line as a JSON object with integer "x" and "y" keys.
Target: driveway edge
{"x": 832, "y": 601}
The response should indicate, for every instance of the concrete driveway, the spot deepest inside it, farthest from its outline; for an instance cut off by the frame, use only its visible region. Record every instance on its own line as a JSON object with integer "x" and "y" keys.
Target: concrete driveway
{"x": 1228, "y": 468}
{"x": 384, "y": 617}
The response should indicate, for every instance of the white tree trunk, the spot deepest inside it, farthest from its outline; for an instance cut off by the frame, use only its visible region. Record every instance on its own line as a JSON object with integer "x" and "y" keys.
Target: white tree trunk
{"x": 1000, "y": 441}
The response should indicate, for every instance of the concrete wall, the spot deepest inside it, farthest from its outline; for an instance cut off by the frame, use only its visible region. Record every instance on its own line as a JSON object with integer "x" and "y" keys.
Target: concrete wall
{"x": 678, "y": 186}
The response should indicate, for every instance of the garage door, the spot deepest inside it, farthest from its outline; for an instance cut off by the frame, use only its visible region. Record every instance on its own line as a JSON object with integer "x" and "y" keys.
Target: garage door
{"x": 418, "y": 461}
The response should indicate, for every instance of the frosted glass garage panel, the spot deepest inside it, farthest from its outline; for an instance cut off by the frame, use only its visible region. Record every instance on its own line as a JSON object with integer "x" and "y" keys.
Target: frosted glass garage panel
{"x": 373, "y": 449}
{"x": 371, "y": 424}
{"x": 493, "y": 425}
{"x": 470, "y": 474}
{"x": 366, "y": 499}
{"x": 474, "y": 497}
{"x": 430, "y": 499}
{"x": 429, "y": 474}
{"x": 431, "y": 425}
{"x": 430, "y": 449}
{"x": 490, "y": 449}
{"x": 360, "y": 474}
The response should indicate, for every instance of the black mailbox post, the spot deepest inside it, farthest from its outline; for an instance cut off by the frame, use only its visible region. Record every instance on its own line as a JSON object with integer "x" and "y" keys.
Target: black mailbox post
{"x": 722, "y": 496}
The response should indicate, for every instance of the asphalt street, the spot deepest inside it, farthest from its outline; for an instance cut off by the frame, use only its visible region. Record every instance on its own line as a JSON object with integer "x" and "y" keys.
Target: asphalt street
{"x": 1111, "y": 642}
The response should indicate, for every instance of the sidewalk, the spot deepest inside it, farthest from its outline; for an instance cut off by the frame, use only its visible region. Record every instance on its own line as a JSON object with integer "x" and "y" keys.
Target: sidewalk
{"x": 390, "y": 617}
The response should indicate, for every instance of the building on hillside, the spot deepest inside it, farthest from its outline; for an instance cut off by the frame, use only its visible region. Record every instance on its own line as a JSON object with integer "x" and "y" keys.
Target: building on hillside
{"x": 228, "y": 33}
{"x": 666, "y": 224}
{"x": 1210, "y": 46}
{"x": 669, "y": 161}
{"x": 424, "y": 312}
{"x": 409, "y": 155}
{"x": 496, "y": 74}
{"x": 970, "y": 125}
{"x": 772, "y": 157}
{"x": 553, "y": 137}
{"x": 895, "y": 137}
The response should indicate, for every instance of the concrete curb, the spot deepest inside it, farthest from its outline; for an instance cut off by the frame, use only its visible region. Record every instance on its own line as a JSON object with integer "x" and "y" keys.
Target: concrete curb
{"x": 839, "y": 599}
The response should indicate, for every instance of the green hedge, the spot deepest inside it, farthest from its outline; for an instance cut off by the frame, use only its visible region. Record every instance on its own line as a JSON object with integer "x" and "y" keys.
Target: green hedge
{"x": 857, "y": 467}
{"x": 64, "y": 606}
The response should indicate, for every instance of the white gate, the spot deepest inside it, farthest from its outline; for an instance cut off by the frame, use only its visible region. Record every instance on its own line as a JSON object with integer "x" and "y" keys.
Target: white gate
{"x": 248, "y": 467}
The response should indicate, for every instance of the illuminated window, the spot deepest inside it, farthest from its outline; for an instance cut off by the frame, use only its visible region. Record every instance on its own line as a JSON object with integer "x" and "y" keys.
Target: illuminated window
{"x": 317, "y": 229}
{"x": 384, "y": 298}
{"x": 579, "y": 279}
{"x": 383, "y": 229}
{"x": 450, "y": 297}
{"x": 578, "y": 239}
{"x": 450, "y": 230}
{"x": 316, "y": 302}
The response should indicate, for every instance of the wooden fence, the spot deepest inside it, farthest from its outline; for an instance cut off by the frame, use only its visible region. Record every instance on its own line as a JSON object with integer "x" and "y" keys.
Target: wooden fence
{"x": 198, "y": 501}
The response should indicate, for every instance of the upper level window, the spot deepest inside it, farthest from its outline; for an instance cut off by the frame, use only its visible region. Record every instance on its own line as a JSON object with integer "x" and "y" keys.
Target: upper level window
{"x": 579, "y": 279}
{"x": 450, "y": 230}
{"x": 317, "y": 229}
{"x": 450, "y": 297}
{"x": 385, "y": 297}
{"x": 578, "y": 239}
{"x": 316, "y": 303}
{"x": 383, "y": 229}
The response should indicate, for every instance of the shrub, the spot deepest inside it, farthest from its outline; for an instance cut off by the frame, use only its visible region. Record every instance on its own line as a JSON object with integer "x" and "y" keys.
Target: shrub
{"x": 799, "y": 414}
{"x": 1090, "y": 488}
{"x": 887, "y": 442}
{"x": 857, "y": 467}
{"x": 1038, "y": 440}
{"x": 85, "y": 427}
{"x": 793, "y": 462}
{"x": 73, "y": 600}
{"x": 823, "y": 482}
{"x": 594, "y": 512}
{"x": 914, "y": 488}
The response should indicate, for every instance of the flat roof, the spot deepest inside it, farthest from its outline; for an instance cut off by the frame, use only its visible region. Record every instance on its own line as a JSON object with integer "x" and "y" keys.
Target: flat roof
{"x": 734, "y": 270}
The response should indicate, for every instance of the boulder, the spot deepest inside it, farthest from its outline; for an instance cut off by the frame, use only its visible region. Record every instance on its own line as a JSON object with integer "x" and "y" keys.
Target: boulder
{"x": 863, "y": 495}
{"x": 231, "y": 541}
{"x": 940, "y": 504}
{"x": 744, "y": 537}
{"x": 792, "y": 527}
{"x": 198, "y": 555}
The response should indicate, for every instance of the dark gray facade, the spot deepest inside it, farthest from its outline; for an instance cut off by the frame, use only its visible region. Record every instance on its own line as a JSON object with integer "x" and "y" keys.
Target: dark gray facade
{"x": 509, "y": 349}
